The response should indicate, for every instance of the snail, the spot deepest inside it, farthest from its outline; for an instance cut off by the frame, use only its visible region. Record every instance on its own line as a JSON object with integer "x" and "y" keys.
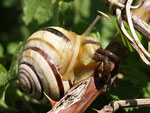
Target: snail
{"x": 55, "y": 59}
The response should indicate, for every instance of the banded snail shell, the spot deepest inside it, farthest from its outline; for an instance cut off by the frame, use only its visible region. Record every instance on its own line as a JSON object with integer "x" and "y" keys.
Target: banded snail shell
{"x": 48, "y": 62}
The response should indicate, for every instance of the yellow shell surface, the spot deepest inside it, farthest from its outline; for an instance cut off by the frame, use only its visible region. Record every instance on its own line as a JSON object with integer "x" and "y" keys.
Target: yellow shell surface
{"x": 53, "y": 60}
{"x": 62, "y": 51}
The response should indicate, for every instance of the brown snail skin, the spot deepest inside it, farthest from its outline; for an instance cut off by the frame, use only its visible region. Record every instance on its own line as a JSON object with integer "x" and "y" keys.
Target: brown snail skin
{"x": 53, "y": 60}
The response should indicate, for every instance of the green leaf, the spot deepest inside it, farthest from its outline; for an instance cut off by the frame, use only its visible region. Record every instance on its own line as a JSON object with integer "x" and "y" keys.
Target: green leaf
{"x": 146, "y": 90}
{"x": 124, "y": 39}
{"x": 2, "y": 69}
{"x": 3, "y": 86}
{"x": 3, "y": 75}
{"x": 129, "y": 109}
{"x": 12, "y": 47}
{"x": 135, "y": 70}
{"x": 7, "y": 77}
{"x": 107, "y": 31}
{"x": 1, "y": 50}
{"x": 148, "y": 46}
{"x": 66, "y": 0}
{"x": 39, "y": 11}
{"x": 9, "y": 3}
{"x": 2, "y": 98}
{"x": 14, "y": 65}
{"x": 83, "y": 7}
{"x": 4, "y": 108}
{"x": 114, "y": 97}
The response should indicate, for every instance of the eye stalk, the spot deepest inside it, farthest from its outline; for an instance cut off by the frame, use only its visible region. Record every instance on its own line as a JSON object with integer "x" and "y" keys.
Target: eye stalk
{"x": 88, "y": 30}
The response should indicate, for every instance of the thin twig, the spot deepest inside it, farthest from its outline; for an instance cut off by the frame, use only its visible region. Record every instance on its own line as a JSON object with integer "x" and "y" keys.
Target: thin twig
{"x": 137, "y": 6}
{"x": 129, "y": 20}
{"x": 130, "y": 39}
{"x": 136, "y": 44}
{"x": 141, "y": 26}
{"x": 115, "y": 105}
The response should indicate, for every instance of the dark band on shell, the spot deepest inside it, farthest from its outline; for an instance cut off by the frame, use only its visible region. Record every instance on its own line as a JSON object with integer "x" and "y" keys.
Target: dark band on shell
{"x": 53, "y": 67}
{"x": 56, "y": 32}
{"x": 30, "y": 90}
{"x": 37, "y": 75}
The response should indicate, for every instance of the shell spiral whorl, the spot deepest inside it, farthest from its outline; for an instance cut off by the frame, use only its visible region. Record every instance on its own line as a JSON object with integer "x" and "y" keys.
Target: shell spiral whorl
{"x": 42, "y": 63}
{"x": 53, "y": 60}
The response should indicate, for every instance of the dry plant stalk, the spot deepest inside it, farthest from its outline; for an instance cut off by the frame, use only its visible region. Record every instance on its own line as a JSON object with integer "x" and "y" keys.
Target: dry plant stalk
{"x": 78, "y": 98}
{"x": 134, "y": 41}
{"x": 141, "y": 26}
{"x": 115, "y": 105}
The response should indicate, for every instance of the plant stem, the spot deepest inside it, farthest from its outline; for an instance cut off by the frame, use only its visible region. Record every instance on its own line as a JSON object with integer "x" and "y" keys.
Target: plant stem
{"x": 56, "y": 13}
{"x": 115, "y": 105}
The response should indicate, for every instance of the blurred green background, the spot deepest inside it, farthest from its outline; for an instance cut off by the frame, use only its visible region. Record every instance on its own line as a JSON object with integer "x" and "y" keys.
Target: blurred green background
{"x": 20, "y": 18}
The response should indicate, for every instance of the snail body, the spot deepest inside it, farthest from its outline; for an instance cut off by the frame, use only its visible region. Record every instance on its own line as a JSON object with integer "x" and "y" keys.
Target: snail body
{"x": 53, "y": 60}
